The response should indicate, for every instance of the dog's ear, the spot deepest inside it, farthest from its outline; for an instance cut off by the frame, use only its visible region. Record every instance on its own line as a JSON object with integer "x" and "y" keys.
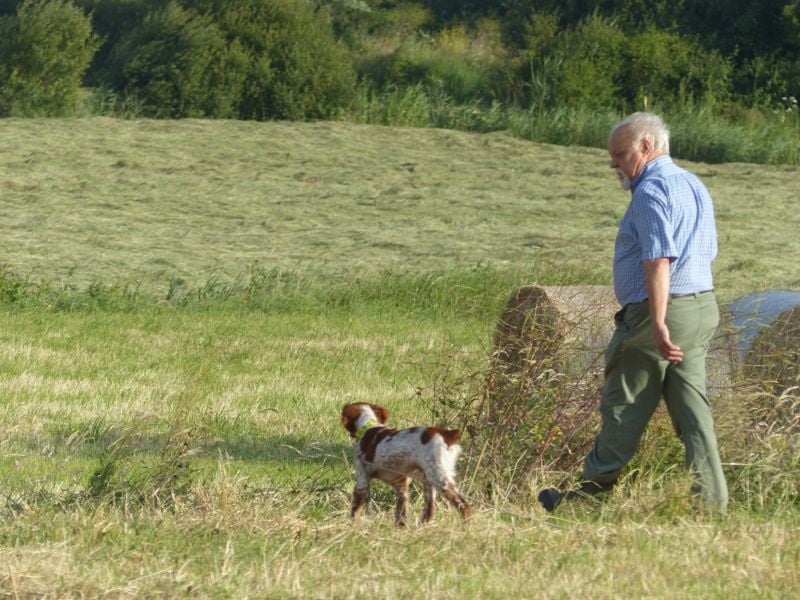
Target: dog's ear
{"x": 349, "y": 416}
{"x": 380, "y": 412}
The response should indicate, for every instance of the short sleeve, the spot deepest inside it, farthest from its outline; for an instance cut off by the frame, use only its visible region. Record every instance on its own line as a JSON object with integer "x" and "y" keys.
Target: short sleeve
{"x": 650, "y": 212}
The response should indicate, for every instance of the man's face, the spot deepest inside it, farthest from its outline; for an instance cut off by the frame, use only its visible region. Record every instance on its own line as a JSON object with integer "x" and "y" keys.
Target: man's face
{"x": 627, "y": 159}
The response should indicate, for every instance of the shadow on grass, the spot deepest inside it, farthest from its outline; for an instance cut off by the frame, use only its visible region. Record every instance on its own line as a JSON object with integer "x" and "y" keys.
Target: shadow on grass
{"x": 195, "y": 452}
{"x": 155, "y": 470}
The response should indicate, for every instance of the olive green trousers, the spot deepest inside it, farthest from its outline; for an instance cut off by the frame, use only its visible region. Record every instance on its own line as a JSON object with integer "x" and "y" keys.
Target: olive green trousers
{"x": 637, "y": 377}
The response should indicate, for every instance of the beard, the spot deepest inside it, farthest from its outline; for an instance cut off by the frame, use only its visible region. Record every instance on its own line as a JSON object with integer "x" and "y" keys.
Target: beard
{"x": 624, "y": 182}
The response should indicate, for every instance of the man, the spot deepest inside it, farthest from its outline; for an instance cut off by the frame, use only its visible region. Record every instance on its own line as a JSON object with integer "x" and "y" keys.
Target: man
{"x": 662, "y": 279}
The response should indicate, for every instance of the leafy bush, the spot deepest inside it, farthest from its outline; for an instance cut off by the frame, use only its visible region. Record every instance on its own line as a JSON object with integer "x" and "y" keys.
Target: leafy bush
{"x": 178, "y": 64}
{"x": 112, "y": 20}
{"x": 671, "y": 69}
{"x": 591, "y": 64}
{"x": 46, "y": 48}
{"x": 581, "y": 66}
{"x": 296, "y": 69}
{"x": 466, "y": 65}
{"x": 214, "y": 58}
{"x": 595, "y": 65}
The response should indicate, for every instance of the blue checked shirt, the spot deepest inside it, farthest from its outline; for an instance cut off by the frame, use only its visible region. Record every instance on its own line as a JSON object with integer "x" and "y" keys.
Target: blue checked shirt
{"x": 670, "y": 216}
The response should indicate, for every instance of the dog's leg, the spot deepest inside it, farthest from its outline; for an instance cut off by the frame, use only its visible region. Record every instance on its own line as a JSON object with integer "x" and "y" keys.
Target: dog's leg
{"x": 450, "y": 491}
{"x": 360, "y": 496}
{"x": 401, "y": 506}
{"x": 430, "y": 501}
{"x": 440, "y": 475}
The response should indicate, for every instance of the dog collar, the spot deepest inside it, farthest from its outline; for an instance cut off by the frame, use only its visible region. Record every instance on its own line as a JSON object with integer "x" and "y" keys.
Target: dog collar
{"x": 363, "y": 429}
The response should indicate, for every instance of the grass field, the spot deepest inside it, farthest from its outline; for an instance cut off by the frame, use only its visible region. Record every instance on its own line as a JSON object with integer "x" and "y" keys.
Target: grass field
{"x": 187, "y": 304}
{"x": 154, "y": 202}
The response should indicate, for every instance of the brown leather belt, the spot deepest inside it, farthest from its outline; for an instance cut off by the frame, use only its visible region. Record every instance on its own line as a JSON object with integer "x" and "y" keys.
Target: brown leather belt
{"x": 695, "y": 294}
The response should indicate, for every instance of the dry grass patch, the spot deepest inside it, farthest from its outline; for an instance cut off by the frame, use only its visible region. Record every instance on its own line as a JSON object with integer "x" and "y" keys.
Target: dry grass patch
{"x": 171, "y": 204}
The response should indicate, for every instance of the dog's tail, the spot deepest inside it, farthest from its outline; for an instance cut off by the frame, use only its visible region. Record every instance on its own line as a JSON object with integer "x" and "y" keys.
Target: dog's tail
{"x": 451, "y": 436}
{"x": 443, "y": 473}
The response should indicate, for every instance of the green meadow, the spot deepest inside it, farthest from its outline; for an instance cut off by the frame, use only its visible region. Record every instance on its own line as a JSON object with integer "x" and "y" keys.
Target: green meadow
{"x": 185, "y": 306}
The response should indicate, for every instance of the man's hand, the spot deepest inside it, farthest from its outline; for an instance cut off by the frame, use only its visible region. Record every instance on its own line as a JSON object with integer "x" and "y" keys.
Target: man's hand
{"x": 666, "y": 348}
{"x": 656, "y": 275}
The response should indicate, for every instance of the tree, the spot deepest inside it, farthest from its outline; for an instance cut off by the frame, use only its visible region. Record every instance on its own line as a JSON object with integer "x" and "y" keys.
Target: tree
{"x": 670, "y": 69}
{"x": 579, "y": 66}
{"x": 178, "y": 64}
{"x": 46, "y": 48}
{"x": 296, "y": 67}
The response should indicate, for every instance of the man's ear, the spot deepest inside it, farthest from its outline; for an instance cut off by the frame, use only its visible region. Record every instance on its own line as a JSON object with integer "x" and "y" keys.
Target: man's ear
{"x": 646, "y": 145}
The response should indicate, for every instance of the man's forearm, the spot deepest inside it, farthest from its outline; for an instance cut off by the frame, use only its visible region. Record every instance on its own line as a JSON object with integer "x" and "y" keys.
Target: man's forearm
{"x": 656, "y": 277}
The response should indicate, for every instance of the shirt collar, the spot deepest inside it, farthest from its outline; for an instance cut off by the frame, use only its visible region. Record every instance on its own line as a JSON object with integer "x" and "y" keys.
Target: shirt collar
{"x": 651, "y": 167}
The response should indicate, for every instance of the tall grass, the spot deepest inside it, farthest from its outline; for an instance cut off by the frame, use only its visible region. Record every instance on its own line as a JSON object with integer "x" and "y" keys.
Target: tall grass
{"x": 701, "y": 133}
{"x": 524, "y": 421}
{"x": 473, "y": 292}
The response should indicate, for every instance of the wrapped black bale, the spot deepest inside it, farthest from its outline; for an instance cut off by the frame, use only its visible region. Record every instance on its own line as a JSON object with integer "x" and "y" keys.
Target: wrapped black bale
{"x": 767, "y": 326}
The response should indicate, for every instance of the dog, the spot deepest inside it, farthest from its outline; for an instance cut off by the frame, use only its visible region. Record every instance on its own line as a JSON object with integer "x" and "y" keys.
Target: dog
{"x": 394, "y": 456}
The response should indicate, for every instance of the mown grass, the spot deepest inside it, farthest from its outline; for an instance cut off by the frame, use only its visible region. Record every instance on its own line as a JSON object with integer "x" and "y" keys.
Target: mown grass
{"x": 170, "y": 428}
{"x": 168, "y": 205}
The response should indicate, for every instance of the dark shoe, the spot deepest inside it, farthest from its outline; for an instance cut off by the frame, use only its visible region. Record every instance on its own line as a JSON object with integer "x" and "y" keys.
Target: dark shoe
{"x": 550, "y": 498}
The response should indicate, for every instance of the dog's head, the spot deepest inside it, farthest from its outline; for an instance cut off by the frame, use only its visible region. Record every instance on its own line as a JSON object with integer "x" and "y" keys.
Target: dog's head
{"x": 358, "y": 414}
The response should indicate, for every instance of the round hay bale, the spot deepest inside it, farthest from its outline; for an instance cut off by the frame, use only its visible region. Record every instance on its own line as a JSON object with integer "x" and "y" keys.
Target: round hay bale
{"x": 569, "y": 325}
{"x": 539, "y": 404}
{"x": 722, "y": 359}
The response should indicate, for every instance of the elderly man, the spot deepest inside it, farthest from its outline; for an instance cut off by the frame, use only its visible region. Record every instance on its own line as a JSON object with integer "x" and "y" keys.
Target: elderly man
{"x": 662, "y": 279}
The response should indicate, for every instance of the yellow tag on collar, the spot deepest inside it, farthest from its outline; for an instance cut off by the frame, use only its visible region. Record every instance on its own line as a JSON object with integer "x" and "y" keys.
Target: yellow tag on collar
{"x": 363, "y": 429}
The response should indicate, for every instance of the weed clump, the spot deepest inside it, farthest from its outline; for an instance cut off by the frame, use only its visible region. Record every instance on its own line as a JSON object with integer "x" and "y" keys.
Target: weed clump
{"x": 535, "y": 408}
{"x": 120, "y": 481}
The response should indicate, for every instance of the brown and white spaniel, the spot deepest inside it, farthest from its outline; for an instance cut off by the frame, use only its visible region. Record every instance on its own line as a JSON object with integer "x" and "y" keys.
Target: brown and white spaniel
{"x": 394, "y": 456}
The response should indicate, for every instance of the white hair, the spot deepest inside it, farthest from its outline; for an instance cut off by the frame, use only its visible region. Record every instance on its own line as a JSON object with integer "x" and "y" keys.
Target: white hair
{"x": 646, "y": 125}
